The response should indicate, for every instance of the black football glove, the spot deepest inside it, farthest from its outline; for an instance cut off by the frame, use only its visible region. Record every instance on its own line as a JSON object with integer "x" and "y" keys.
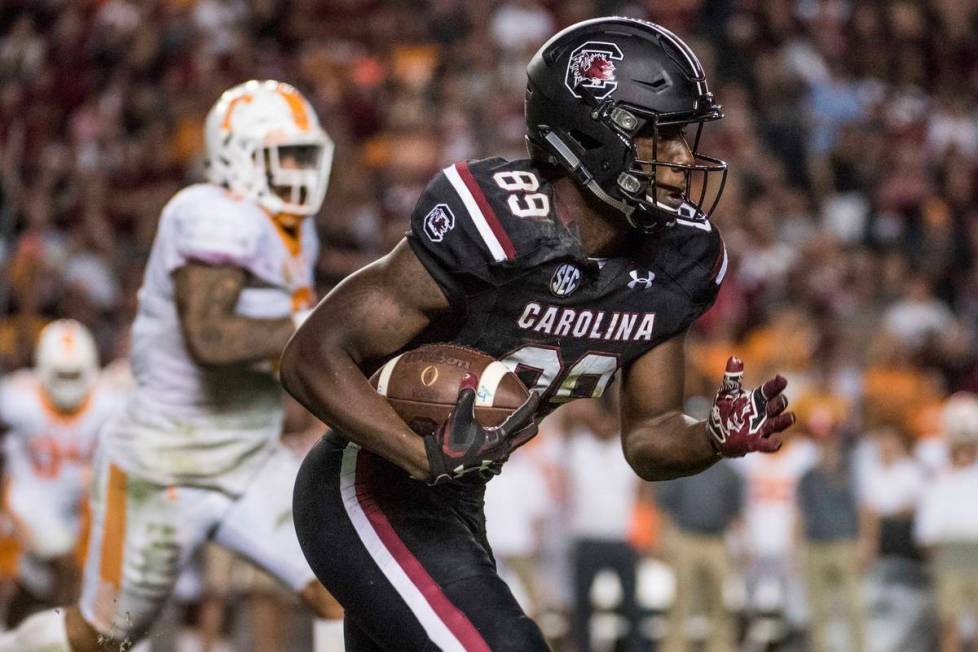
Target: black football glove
{"x": 462, "y": 446}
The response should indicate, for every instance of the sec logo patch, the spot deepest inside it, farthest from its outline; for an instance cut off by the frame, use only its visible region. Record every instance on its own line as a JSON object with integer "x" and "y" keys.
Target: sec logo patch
{"x": 565, "y": 280}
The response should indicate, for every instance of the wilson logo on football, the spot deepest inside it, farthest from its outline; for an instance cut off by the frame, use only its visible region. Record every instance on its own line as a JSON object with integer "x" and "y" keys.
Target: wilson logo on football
{"x": 591, "y": 66}
{"x": 565, "y": 280}
{"x": 439, "y": 221}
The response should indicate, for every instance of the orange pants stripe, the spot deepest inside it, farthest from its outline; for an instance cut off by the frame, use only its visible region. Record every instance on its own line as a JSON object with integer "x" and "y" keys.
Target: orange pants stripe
{"x": 114, "y": 529}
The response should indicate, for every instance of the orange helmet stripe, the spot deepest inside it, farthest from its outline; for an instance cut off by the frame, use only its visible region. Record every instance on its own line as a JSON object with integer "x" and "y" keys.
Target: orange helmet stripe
{"x": 296, "y": 104}
{"x": 68, "y": 339}
{"x": 226, "y": 124}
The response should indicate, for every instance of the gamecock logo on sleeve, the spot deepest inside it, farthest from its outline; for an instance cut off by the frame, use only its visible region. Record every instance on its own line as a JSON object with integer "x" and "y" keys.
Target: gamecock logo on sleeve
{"x": 591, "y": 66}
{"x": 438, "y": 222}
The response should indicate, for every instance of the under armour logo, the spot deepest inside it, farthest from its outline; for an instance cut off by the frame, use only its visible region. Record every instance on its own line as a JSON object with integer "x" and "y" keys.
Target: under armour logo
{"x": 644, "y": 281}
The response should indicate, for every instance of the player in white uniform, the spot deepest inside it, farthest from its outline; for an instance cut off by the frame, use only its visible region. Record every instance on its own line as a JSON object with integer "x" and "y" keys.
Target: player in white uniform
{"x": 52, "y": 414}
{"x": 196, "y": 454}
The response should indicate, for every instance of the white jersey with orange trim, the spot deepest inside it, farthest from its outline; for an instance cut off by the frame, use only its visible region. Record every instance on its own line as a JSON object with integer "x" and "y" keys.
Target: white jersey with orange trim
{"x": 48, "y": 459}
{"x": 208, "y": 427}
{"x": 772, "y": 482}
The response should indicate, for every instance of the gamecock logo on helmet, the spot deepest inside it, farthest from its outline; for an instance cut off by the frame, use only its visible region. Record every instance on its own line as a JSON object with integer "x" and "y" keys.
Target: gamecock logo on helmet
{"x": 591, "y": 65}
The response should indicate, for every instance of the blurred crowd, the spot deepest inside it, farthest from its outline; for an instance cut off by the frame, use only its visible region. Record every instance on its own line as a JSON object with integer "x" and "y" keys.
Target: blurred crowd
{"x": 850, "y": 212}
{"x": 842, "y": 540}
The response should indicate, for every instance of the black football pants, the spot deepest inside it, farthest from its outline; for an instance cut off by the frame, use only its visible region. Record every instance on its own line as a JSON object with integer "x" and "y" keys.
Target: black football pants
{"x": 409, "y": 563}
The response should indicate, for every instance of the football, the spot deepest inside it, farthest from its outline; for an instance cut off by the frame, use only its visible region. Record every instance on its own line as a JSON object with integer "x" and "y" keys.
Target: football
{"x": 422, "y": 385}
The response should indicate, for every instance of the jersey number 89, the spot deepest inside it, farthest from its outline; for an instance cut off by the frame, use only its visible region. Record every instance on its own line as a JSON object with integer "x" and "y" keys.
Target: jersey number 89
{"x": 523, "y": 200}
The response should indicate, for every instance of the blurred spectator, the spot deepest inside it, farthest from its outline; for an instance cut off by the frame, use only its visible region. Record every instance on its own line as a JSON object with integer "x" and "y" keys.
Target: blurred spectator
{"x": 898, "y": 596}
{"x": 22, "y": 50}
{"x": 892, "y": 483}
{"x": 770, "y": 521}
{"x": 698, "y": 511}
{"x": 521, "y": 25}
{"x": 218, "y": 21}
{"x": 955, "y": 417}
{"x": 600, "y": 508}
{"x": 516, "y": 505}
{"x": 918, "y": 315}
{"x": 951, "y": 128}
{"x": 947, "y": 526}
{"x": 834, "y": 101}
{"x": 830, "y": 526}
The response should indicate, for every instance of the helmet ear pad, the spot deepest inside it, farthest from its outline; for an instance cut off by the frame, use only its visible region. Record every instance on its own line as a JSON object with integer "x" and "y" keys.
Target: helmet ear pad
{"x": 605, "y": 153}
{"x": 601, "y": 151}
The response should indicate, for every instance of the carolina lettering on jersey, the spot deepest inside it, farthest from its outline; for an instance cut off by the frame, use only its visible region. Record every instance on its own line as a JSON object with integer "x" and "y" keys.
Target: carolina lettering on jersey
{"x": 589, "y": 324}
{"x": 524, "y": 291}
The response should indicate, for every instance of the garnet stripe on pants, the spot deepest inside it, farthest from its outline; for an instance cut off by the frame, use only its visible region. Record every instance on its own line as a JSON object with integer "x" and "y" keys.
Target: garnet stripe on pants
{"x": 442, "y": 621}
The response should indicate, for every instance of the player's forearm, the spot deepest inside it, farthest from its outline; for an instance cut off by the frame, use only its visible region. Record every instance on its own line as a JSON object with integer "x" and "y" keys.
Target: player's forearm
{"x": 670, "y": 446}
{"x": 232, "y": 339}
{"x": 206, "y": 296}
{"x": 328, "y": 382}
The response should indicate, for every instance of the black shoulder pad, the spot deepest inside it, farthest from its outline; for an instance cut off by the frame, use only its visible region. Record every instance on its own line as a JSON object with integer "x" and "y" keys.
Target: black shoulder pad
{"x": 478, "y": 221}
{"x": 456, "y": 234}
{"x": 516, "y": 200}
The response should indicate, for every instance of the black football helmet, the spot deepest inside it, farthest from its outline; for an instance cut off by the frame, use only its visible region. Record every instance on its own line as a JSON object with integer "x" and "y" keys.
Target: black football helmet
{"x": 597, "y": 86}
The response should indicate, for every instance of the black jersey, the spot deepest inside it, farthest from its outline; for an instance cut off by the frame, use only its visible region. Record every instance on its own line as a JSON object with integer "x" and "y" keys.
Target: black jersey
{"x": 523, "y": 290}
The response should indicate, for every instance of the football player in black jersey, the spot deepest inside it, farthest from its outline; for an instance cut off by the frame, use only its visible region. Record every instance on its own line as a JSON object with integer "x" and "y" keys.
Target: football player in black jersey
{"x": 592, "y": 256}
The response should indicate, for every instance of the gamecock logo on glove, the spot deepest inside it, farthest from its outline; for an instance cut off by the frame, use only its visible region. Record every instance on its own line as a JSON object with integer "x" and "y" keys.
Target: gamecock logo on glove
{"x": 743, "y": 421}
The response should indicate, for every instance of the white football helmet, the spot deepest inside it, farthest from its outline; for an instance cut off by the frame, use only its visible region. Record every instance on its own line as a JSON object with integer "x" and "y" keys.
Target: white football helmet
{"x": 960, "y": 418}
{"x": 66, "y": 361}
{"x": 264, "y": 143}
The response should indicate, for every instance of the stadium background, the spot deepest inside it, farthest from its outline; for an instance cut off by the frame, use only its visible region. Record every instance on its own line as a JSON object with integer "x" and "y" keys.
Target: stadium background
{"x": 850, "y": 212}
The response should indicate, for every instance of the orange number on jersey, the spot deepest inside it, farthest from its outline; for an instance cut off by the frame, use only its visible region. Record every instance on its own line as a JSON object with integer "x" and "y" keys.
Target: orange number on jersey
{"x": 48, "y": 455}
